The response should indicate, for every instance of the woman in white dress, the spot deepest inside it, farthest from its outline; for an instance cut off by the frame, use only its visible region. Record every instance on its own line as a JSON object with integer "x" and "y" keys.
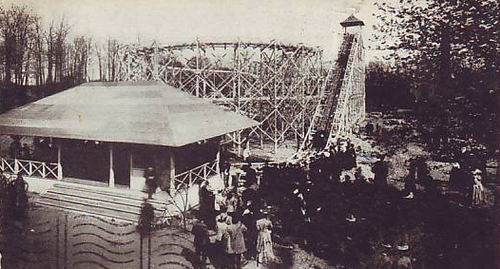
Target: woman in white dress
{"x": 477, "y": 189}
{"x": 265, "y": 252}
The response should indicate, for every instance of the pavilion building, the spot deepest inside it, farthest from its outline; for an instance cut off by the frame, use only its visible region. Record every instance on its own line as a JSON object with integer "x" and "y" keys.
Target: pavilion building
{"x": 110, "y": 133}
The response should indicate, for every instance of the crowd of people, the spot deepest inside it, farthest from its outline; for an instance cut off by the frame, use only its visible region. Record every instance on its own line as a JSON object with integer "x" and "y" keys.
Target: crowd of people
{"x": 234, "y": 222}
{"x": 328, "y": 191}
{"x": 324, "y": 191}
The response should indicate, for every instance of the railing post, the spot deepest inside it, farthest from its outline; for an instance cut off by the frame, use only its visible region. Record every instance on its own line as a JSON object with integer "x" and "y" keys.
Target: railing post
{"x": 16, "y": 166}
{"x": 172, "y": 175}
{"x": 44, "y": 175}
{"x": 217, "y": 163}
{"x": 59, "y": 166}
{"x": 30, "y": 168}
{"x": 111, "y": 180}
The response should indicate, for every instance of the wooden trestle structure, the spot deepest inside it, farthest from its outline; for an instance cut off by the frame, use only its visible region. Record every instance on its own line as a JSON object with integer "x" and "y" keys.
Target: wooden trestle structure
{"x": 278, "y": 85}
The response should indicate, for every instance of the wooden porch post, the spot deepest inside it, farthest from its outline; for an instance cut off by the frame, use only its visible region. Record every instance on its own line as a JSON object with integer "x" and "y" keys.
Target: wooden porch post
{"x": 111, "y": 171}
{"x": 172, "y": 174}
{"x": 59, "y": 166}
{"x": 131, "y": 163}
{"x": 217, "y": 161}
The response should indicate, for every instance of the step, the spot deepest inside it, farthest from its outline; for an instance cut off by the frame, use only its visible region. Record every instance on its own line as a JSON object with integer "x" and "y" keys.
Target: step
{"x": 102, "y": 197}
{"x": 92, "y": 211}
{"x": 115, "y": 193}
{"x": 110, "y": 191}
{"x": 87, "y": 201}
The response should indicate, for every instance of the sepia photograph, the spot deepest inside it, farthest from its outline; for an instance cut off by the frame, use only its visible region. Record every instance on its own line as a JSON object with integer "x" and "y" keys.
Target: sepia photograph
{"x": 249, "y": 134}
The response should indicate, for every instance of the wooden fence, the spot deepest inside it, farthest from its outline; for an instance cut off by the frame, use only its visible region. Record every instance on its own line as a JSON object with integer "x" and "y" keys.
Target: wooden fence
{"x": 196, "y": 175}
{"x": 30, "y": 168}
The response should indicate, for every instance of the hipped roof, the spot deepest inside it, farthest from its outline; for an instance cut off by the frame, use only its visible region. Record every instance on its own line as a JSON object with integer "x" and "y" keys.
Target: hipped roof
{"x": 142, "y": 113}
{"x": 352, "y": 21}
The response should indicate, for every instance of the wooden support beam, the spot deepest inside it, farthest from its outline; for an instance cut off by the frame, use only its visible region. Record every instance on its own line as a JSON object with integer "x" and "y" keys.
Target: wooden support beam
{"x": 172, "y": 174}
{"x": 59, "y": 166}
{"x": 131, "y": 166}
{"x": 111, "y": 171}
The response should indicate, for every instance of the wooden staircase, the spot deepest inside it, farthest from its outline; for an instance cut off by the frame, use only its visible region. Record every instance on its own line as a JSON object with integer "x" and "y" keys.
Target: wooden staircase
{"x": 112, "y": 203}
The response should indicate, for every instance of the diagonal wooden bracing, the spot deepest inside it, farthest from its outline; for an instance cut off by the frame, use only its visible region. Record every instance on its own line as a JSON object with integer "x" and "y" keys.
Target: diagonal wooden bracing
{"x": 285, "y": 88}
{"x": 275, "y": 84}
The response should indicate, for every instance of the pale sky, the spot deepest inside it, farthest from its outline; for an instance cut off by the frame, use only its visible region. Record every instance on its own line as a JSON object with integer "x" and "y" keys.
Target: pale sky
{"x": 311, "y": 22}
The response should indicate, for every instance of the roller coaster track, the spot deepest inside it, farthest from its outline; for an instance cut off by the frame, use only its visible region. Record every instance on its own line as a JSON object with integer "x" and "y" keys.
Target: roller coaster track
{"x": 341, "y": 104}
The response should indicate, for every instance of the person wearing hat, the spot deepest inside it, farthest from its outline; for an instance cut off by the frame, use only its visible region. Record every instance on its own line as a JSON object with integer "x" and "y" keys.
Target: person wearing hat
{"x": 477, "y": 189}
{"x": 265, "y": 253}
{"x": 248, "y": 218}
{"x": 381, "y": 171}
{"x": 410, "y": 186}
{"x": 232, "y": 203}
{"x": 235, "y": 239}
{"x": 151, "y": 184}
{"x": 207, "y": 204}
{"x": 201, "y": 241}
{"x": 226, "y": 172}
{"x": 222, "y": 222}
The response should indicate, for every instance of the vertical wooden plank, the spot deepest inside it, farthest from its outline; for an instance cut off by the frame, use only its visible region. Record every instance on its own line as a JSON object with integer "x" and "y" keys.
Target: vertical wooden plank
{"x": 59, "y": 166}
{"x": 111, "y": 171}
{"x": 172, "y": 174}
{"x": 131, "y": 164}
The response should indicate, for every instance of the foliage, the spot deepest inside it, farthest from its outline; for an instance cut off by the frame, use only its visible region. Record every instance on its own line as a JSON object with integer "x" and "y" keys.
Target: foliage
{"x": 448, "y": 51}
{"x": 438, "y": 39}
{"x": 387, "y": 89}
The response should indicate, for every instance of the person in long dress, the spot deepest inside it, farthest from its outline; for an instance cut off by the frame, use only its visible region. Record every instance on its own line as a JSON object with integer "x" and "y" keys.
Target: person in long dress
{"x": 207, "y": 204}
{"x": 477, "y": 189}
{"x": 235, "y": 239}
{"x": 265, "y": 252}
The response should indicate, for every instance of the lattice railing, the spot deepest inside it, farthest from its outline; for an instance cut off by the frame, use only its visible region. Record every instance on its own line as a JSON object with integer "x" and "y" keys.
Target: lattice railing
{"x": 196, "y": 175}
{"x": 30, "y": 168}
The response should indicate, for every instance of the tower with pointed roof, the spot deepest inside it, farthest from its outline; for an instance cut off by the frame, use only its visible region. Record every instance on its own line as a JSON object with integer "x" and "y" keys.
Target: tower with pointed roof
{"x": 352, "y": 25}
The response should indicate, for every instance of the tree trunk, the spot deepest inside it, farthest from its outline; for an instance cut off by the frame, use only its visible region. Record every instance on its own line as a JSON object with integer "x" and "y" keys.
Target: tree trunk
{"x": 444, "y": 75}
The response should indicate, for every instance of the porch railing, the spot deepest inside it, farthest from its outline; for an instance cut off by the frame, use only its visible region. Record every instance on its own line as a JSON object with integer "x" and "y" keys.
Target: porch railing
{"x": 188, "y": 178}
{"x": 30, "y": 168}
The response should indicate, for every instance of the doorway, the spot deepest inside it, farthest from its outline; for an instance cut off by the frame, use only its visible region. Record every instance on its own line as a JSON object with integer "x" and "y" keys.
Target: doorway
{"x": 121, "y": 165}
{"x": 85, "y": 160}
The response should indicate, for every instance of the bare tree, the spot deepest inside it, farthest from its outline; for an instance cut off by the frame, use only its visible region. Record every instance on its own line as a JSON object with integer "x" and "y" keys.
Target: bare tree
{"x": 112, "y": 50}
{"x": 50, "y": 39}
{"x": 61, "y": 33}
{"x": 16, "y": 26}
{"x": 79, "y": 55}
{"x": 100, "y": 61}
{"x": 38, "y": 52}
